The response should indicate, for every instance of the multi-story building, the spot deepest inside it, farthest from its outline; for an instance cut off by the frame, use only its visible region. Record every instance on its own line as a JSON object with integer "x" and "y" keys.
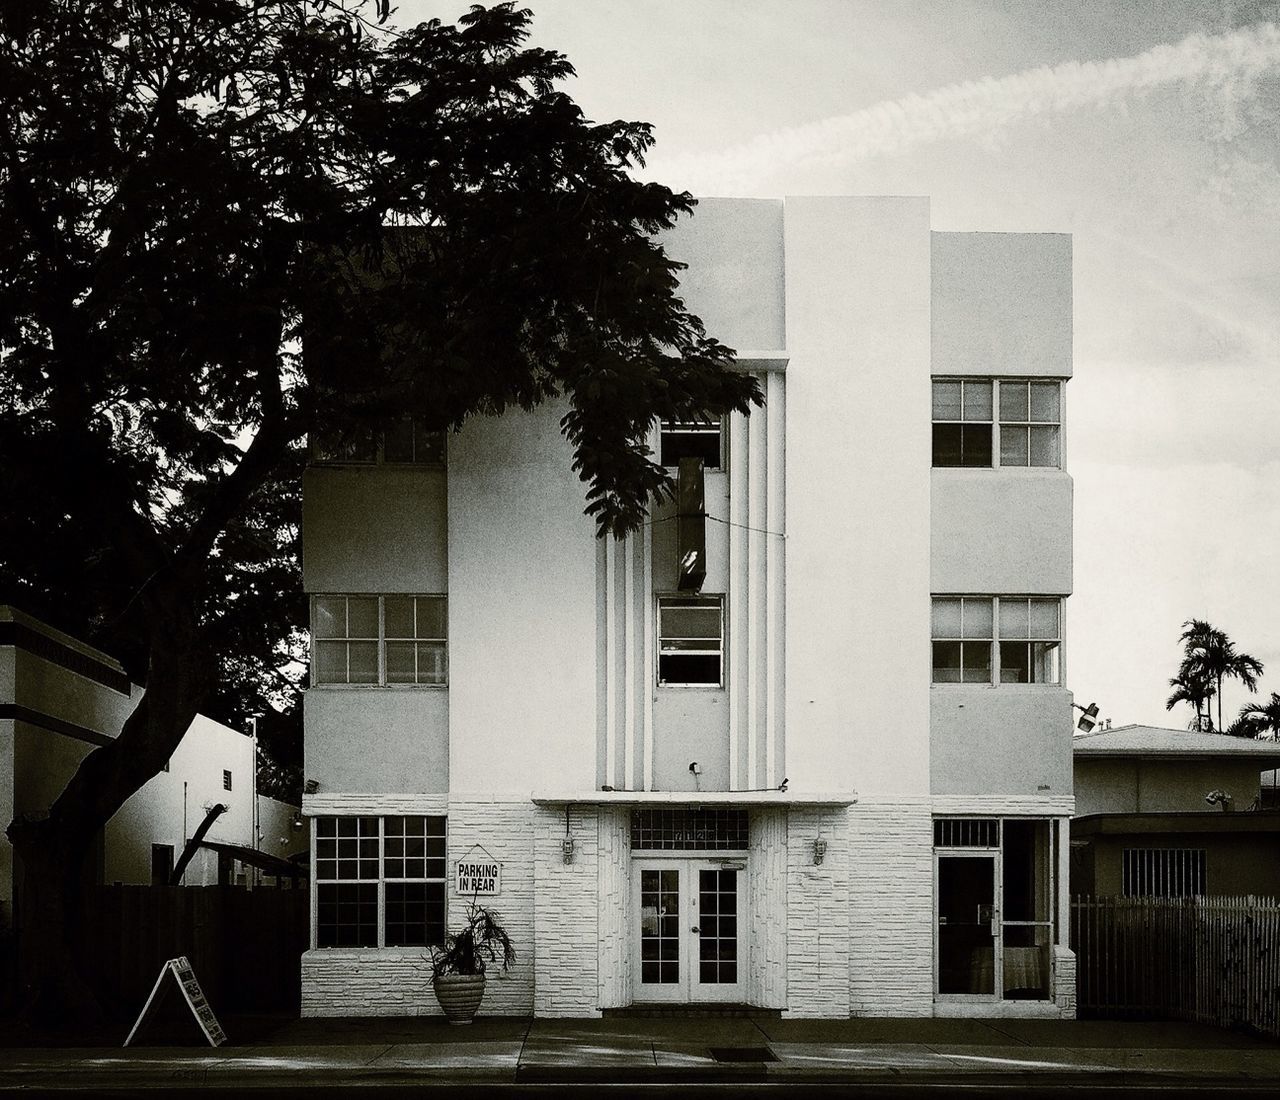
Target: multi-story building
{"x": 803, "y": 744}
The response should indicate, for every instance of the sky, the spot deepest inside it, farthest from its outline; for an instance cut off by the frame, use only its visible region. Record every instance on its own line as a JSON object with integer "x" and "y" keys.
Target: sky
{"x": 1147, "y": 129}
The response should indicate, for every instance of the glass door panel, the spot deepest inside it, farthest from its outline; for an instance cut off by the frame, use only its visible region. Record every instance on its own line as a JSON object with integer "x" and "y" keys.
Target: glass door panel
{"x": 660, "y": 931}
{"x": 967, "y": 923}
{"x": 718, "y": 974}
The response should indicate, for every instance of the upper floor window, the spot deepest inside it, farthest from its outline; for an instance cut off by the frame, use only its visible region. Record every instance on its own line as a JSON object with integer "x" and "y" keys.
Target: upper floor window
{"x": 1001, "y": 639}
{"x": 226, "y": 780}
{"x": 380, "y": 882}
{"x": 691, "y": 439}
{"x": 401, "y": 442}
{"x": 396, "y": 639}
{"x": 968, "y": 432}
{"x": 691, "y": 641}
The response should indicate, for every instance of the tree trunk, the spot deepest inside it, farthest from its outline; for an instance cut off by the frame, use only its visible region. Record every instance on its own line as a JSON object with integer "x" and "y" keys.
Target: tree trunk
{"x": 51, "y": 850}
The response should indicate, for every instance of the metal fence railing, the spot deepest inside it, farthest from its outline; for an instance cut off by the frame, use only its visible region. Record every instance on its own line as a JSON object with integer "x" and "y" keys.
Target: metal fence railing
{"x": 1213, "y": 960}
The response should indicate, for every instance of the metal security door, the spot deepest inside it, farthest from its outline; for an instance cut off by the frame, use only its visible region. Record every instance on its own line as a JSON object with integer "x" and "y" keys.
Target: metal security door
{"x": 967, "y": 947}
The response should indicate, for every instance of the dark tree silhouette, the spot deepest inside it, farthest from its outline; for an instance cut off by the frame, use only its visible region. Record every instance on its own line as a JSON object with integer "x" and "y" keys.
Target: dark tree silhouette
{"x": 1190, "y": 688}
{"x": 1210, "y": 658}
{"x": 179, "y": 183}
{"x": 1260, "y": 720}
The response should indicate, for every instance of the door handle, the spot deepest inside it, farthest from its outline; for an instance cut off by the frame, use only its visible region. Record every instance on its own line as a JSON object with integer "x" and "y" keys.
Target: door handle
{"x": 695, "y": 928}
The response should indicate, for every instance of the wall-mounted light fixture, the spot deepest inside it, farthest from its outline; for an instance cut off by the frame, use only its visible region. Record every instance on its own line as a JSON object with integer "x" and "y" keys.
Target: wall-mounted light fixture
{"x": 311, "y": 786}
{"x": 1219, "y": 797}
{"x": 1088, "y": 717}
{"x": 819, "y": 850}
{"x": 566, "y": 845}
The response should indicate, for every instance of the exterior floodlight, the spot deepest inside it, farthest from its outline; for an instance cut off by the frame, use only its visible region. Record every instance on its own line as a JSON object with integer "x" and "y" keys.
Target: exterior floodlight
{"x": 1088, "y": 717}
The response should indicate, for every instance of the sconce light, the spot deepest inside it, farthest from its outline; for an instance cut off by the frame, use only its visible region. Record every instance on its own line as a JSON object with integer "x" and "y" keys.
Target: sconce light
{"x": 311, "y": 786}
{"x": 819, "y": 850}
{"x": 297, "y": 821}
{"x": 566, "y": 845}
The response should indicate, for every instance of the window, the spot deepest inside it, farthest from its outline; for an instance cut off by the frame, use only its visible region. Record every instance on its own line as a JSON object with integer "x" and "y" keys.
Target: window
{"x": 379, "y": 640}
{"x": 691, "y": 641}
{"x": 1002, "y": 639}
{"x": 961, "y": 423}
{"x": 404, "y": 441}
{"x": 962, "y": 634}
{"x": 1029, "y": 641}
{"x": 226, "y": 780}
{"x": 380, "y": 881}
{"x": 691, "y": 439}
{"x": 688, "y": 829}
{"x": 1163, "y": 872}
{"x": 967, "y": 432}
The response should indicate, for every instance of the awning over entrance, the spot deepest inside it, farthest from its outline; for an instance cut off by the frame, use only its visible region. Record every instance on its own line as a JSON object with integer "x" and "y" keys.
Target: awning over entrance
{"x": 694, "y": 798}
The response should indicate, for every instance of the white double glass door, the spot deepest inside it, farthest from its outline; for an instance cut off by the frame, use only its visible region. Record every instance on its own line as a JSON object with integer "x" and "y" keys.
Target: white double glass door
{"x": 688, "y": 939}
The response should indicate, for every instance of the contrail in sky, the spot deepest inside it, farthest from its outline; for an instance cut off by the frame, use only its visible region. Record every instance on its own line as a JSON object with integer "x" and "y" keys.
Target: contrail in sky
{"x": 1225, "y": 62}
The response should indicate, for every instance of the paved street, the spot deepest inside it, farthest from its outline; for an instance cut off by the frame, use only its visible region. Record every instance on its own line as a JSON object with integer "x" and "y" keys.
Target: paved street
{"x": 875, "y": 1057}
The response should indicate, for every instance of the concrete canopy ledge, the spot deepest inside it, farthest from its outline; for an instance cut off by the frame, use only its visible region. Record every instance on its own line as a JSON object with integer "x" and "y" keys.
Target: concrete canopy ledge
{"x": 694, "y": 798}
{"x": 754, "y": 361}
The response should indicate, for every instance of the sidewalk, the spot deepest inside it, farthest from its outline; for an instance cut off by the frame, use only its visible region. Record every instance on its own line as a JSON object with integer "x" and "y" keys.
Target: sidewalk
{"x": 882, "y": 1056}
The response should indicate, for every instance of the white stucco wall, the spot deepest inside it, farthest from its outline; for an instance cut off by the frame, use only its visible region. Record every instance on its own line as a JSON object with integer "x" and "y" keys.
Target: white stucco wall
{"x": 1001, "y": 531}
{"x": 1129, "y": 785}
{"x": 857, "y": 494}
{"x": 522, "y": 609}
{"x": 1002, "y": 304}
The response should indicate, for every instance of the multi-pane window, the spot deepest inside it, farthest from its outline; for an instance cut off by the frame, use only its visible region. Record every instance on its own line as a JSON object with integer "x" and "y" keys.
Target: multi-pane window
{"x": 691, "y": 439}
{"x": 1030, "y": 417}
{"x": 403, "y": 441}
{"x": 1003, "y": 639}
{"x": 962, "y": 636}
{"x": 691, "y": 641}
{"x": 379, "y": 640}
{"x": 1030, "y": 640}
{"x": 962, "y": 422}
{"x": 968, "y": 431}
{"x": 380, "y": 882}
{"x": 226, "y": 780}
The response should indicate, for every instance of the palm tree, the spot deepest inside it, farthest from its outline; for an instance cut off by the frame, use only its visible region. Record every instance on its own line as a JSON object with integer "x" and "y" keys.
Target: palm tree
{"x": 1259, "y": 719}
{"x": 1211, "y": 658}
{"x": 1190, "y": 688}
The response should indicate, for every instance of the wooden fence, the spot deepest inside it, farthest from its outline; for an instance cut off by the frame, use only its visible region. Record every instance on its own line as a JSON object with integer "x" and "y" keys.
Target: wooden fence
{"x": 1208, "y": 959}
{"x": 245, "y": 945}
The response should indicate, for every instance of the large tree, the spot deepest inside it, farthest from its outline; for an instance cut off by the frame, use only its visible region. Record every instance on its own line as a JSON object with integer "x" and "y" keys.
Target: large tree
{"x": 1209, "y": 659}
{"x": 185, "y": 186}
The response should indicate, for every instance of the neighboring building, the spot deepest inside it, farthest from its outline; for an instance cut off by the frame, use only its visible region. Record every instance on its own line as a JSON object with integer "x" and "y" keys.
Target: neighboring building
{"x": 58, "y": 699}
{"x": 1173, "y": 813}
{"x": 833, "y": 778}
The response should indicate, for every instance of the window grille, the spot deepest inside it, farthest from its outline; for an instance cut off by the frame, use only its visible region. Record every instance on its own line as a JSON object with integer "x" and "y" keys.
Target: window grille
{"x": 1163, "y": 872}
{"x": 966, "y": 832}
{"x": 682, "y": 829}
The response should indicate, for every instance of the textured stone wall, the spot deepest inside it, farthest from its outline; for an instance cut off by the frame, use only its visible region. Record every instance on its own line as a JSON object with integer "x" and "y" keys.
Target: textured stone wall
{"x": 369, "y": 982}
{"x": 818, "y": 925}
{"x": 614, "y": 891}
{"x": 565, "y": 914}
{"x": 891, "y": 908}
{"x": 1064, "y": 981}
{"x": 767, "y": 910}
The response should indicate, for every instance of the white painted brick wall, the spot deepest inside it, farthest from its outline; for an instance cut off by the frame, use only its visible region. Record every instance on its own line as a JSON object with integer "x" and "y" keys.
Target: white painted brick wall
{"x": 767, "y": 909}
{"x": 1064, "y": 981}
{"x": 818, "y": 926}
{"x": 613, "y": 880}
{"x": 891, "y": 910}
{"x": 565, "y": 924}
{"x": 368, "y": 982}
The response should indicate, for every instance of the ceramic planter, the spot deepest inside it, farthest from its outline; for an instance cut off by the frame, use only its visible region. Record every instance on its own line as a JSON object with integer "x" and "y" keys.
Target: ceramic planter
{"x": 459, "y": 995}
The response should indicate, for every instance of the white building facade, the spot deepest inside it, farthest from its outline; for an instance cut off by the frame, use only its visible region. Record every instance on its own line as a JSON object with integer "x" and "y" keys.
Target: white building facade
{"x": 832, "y": 779}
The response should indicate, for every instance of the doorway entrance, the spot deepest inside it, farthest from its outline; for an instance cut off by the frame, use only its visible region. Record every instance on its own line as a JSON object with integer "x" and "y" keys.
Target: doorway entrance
{"x": 688, "y": 942}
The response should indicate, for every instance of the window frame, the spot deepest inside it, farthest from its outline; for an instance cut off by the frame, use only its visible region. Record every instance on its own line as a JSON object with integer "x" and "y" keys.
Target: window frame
{"x": 659, "y": 599}
{"x": 997, "y": 420}
{"x": 380, "y": 642}
{"x": 381, "y": 881}
{"x": 316, "y": 457}
{"x": 996, "y": 679}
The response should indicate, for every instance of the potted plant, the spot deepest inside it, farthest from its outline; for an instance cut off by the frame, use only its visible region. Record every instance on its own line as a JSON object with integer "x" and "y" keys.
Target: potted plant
{"x": 458, "y": 968}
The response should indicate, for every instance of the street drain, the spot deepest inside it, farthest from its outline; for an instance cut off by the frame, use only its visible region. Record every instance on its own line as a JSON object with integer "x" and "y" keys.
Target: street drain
{"x": 742, "y": 1054}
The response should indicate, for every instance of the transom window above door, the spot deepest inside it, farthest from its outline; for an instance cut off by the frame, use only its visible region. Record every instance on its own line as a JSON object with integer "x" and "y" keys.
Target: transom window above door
{"x": 997, "y": 422}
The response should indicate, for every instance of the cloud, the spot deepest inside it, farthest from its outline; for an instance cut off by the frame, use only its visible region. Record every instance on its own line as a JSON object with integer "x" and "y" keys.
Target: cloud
{"x": 1226, "y": 64}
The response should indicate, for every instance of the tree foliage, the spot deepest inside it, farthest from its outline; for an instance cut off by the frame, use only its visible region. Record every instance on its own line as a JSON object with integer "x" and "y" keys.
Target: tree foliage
{"x": 187, "y": 188}
{"x": 1210, "y": 658}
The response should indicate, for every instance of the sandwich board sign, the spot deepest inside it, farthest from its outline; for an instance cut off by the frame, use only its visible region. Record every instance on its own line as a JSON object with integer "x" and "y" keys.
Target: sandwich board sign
{"x": 189, "y": 988}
